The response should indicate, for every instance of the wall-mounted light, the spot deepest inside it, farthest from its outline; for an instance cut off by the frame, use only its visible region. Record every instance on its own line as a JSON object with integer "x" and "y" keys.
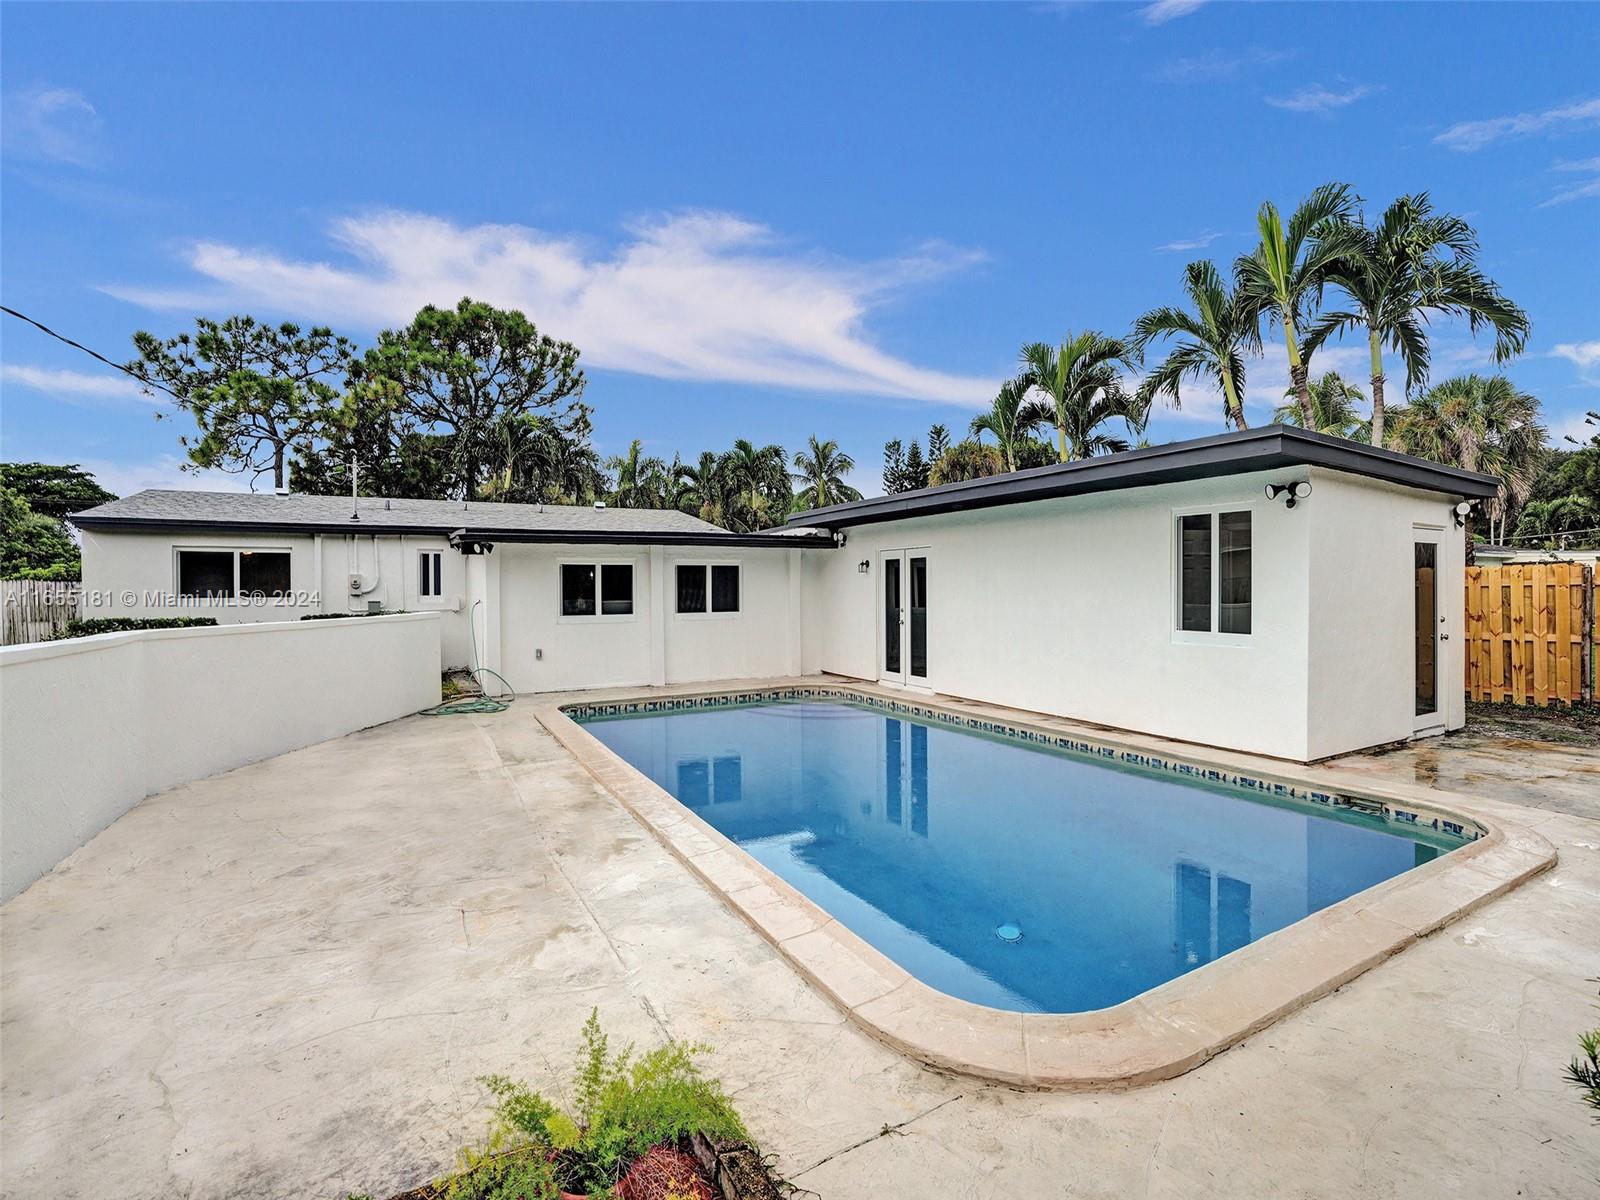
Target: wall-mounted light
{"x": 1461, "y": 511}
{"x": 1298, "y": 490}
{"x": 862, "y": 566}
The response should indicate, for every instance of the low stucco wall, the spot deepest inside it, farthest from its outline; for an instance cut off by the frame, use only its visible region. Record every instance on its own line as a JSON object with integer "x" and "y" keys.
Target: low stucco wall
{"x": 93, "y": 725}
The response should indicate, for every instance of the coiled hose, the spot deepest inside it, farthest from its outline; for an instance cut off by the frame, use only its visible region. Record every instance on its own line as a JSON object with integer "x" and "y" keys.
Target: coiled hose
{"x": 476, "y": 704}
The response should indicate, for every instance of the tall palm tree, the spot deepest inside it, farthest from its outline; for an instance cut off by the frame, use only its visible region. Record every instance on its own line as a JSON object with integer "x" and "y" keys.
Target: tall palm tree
{"x": 1211, "y": 342}
{"x": 820, "y": 471}
{"x": 1333, "y": 401}
{"x": 1413, "y": 263}
{"x": 640, "y": 478}
{"x": 759, "y": 491}
{"x": 1281, "y": 280}
{"x": 1478, "y": 424}
{"x": 702, "y": 491}
{"x": 1080, "y": 383}
{"x": 969, "y": 459}
{"x": 1012, "y": 418}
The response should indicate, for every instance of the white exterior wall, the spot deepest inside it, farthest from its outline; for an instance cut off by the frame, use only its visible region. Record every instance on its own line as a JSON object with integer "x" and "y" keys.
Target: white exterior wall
{"x": 655, "y": 644}
{"x": 1363, "y": 632}
{"x": 1068, "y": 607}
{"x": 128, "y": 574}
{"x": 93, "y": 725}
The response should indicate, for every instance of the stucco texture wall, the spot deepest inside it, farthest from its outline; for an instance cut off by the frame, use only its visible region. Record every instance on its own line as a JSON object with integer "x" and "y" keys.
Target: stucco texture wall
{"x": 93, "y": 725}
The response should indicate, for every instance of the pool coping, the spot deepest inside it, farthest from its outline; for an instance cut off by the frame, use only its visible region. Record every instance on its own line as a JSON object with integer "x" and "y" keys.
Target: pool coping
{"x": 1156, "y": 1035}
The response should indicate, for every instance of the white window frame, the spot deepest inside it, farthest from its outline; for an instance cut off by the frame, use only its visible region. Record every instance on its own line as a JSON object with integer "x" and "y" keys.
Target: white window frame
{"x": 1210, "y": 637}
{"x": 707, "y": 563}
{"x": 285, "y": 600}
{"x": 598, "y": 618}
{"x": 433, "y": 552}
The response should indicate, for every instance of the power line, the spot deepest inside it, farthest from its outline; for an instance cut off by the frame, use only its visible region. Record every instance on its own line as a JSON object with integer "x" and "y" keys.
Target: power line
{"x": 95, "y": 354}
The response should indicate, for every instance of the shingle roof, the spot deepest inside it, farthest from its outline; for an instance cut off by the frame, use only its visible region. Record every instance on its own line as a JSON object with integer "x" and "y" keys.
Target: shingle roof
{"x": 377, "y": 515}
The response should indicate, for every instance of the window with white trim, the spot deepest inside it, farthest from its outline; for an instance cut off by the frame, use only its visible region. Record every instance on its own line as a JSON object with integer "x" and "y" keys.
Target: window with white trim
{"x": 430, "y": 574}
{"x": 1213, "y": 572}
{"x": 705, "y": 589}
{"x": 596, "y": 589}
{"x": 224, "y": 574}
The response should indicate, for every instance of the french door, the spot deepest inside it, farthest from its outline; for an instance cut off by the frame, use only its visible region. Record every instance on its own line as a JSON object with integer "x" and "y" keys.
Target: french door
{"x": 903, "y": 617}
{"x": 1427, "y": 551}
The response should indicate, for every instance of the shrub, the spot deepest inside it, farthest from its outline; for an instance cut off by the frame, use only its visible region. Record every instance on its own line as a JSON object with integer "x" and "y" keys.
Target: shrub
{"x": 94, "y": 625}
{"x": 387, "y": 612}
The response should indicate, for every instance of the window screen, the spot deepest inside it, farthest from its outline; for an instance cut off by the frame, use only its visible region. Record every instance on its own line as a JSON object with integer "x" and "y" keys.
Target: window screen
{"x": 725, "y": 588}
{"x": 616, "y": 590}
{"x": 430, "y": 573}
{"x": 1194, "y": 572}
{"x": 1233, "y": 572}
{"x": 263, "y": 573}
{"x": 691, "y": 589}
{"x": 205, "y": 573}
{"x": 577, "y": 590}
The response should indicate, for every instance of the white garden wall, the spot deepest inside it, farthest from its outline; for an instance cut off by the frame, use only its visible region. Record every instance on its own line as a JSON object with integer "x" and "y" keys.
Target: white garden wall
{"x": 93, "y": 725}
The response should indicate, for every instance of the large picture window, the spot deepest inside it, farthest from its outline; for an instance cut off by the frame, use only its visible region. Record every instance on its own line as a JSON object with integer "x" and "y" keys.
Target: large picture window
{"x": 706, "y": 588}
{"x": 1214, "y": 573}
{"x": 225, "y": 574}
{"x": 596, "y": 589}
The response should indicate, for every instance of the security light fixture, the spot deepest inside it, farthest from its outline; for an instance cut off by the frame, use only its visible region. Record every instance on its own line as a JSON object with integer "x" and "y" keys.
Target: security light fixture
{"x": 1460, "y": 512}
{"x": 1297, "y": 490}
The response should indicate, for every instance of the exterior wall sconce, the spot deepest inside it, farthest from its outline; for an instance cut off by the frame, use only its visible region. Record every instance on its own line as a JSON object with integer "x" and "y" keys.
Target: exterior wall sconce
{"x": 862, "y": 566}
{"x": 1460, "y": 512}
{"x": 1297, "y": 490}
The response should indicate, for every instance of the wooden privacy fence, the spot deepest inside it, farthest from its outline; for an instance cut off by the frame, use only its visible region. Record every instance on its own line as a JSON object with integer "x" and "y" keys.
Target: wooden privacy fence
{"x": 1531, "y": 631}
{"x": 34, "y": 609}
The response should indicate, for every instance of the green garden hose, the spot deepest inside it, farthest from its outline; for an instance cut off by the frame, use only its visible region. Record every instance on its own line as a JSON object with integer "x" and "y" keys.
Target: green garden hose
{"x": 484, "y": 703}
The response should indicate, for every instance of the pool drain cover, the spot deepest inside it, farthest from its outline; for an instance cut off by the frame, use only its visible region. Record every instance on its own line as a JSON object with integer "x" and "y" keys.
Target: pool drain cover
{"x": 1009, "y": 932}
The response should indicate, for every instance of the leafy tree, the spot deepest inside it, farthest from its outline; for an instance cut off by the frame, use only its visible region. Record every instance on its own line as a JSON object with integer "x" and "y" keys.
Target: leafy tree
{"x": 33, "y": 545}
{"x": 1333, "y": 402}
{"x": 1210, "y": 342}
{"x": 462, "y": 372}
{"x": 1080, "y": 382}
{"x": 702, "y": 491}
{"x": 894, "y": 468}
{"x": 544, "y": 460}
{"x": 51, "y": 490}
{"x": 938, "y": 443}
{"x": 1414, "y": 263}
{"x": 1563, "y": 509}
{"x": 640, "y": 479}
{"x": 389, "y": 456}
{"x": 1478, "y": 424}
{"x": 969, "y": 459}
{"x": 257, "y": 392}
{"x": 916, "y": 473}
{"x": 820, "y": 470}
{"x": 1011, "y": 420}
{"x": 1282, "y": 280}
{"x": 757, "y": 489}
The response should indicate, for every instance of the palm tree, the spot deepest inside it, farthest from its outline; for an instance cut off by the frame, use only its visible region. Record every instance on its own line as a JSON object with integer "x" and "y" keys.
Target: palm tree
{"x": 820, "y": 472}
{"x": 1283, "y": 277}
{"x": 641, "y": 479}
{"x": 1333, "y": 401}
{"x": 758, "y": 490}
{"x": 702, "y": 491}
{"x": 1212, "y": 342}
{"x": 1412, "y": 264}
{"x": 969, "y": 459}
{"x": 1080, "y": 382}
{"x": 1478, "y": 424}
{"x": 1012, "y": 418}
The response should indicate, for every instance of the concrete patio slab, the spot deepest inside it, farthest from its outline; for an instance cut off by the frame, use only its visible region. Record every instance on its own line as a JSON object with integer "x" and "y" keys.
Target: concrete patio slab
{"x": 283, "y": 981}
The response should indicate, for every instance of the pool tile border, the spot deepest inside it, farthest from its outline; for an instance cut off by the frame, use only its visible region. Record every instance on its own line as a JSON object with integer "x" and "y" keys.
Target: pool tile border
{"x": 1162, "y": 1033}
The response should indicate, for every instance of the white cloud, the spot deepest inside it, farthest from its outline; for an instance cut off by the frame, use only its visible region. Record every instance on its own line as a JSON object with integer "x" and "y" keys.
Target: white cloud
{"x": 56, "y": 124}
{"x": 1583, "y": 355}
{"x": 695, "y": 295}
{"x": 1319, "y": 99}
{"x": 1218, "y": 64}
{"x": 74, "y": 386}
{"x": 1194, "y": 243}
{"x": 1582, "y": 190}
{"x": 1474, "y": 135}
{"x": 165, "y": 472}
{"x": 1163, "y": 11}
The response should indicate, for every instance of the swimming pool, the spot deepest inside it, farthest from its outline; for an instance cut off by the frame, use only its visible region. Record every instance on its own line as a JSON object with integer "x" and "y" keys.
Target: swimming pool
{"x": 1003, "y": 872}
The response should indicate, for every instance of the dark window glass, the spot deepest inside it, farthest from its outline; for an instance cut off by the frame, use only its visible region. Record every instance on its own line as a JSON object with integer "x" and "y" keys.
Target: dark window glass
{"x": 616, "y": 590}
{"x": 1194, "y": 572}
{"x": 205, "y": 573}
{"x": 691, "y": 589}
{"x": 577, "y": 590}
{"x": 725, "y": 589}
{"x": 919, "y": 618}
{"x": 430, "y": 581}
{"x": 1233, "y": 572}
{"x": 891, "y": 616}
{"x": 263, "y": 574}
{"x": 727, "y": 780}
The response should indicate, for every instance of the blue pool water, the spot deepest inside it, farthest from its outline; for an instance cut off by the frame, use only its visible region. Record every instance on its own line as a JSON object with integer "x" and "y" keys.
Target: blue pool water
{"x": 997, "y": 871}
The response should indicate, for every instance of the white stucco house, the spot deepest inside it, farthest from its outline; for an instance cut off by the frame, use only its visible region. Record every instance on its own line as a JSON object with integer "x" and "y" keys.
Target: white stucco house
{"x": 1268, "y": 590}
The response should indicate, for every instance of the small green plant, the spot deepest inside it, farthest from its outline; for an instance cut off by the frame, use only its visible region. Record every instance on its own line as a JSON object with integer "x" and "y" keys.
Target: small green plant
{"x": 1584, "y": 1070}
{"x": 93, "y": 625}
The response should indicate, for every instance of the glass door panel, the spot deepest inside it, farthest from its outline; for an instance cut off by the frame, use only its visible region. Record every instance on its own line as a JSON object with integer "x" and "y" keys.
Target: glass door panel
{"x": 1426, "y": 569}
{"x": 892, "y": 618}
{"x": 918, "y": 666}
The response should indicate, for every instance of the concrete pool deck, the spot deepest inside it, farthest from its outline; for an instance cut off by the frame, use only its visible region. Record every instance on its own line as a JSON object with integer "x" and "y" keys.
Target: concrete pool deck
{"x": 282, "y": 981}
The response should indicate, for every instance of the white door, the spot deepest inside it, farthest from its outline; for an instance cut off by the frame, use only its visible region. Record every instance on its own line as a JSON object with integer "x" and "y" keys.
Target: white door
{"x": 903, "y": 617}
{"x": 1430, "y": 635}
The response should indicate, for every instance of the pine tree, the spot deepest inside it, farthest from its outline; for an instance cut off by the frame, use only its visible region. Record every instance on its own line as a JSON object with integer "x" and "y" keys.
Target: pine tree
{"x": 894, "y": 467}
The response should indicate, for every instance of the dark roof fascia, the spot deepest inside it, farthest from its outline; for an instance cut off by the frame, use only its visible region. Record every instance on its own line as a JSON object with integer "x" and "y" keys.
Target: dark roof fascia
{"x": 1272, "y": 447}
{"x": 86, "y": 520}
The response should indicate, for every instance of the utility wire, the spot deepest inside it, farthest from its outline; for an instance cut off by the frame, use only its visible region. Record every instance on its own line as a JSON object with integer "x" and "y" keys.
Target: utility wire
{"x": 95, "y": 354}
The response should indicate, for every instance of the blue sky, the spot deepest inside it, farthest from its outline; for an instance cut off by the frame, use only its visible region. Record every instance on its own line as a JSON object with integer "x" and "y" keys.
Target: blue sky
{"x": 763, "y": 221}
